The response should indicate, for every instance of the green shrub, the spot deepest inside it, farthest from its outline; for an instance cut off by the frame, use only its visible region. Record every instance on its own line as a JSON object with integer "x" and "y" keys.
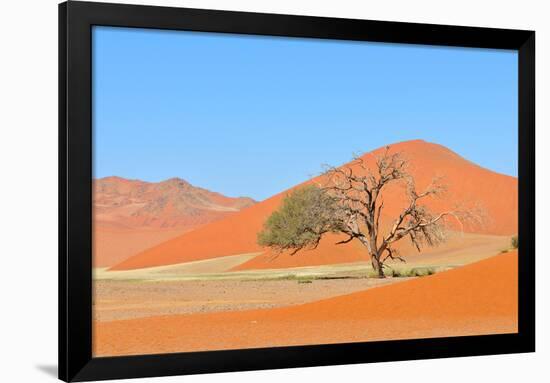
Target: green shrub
{"x": 423, "y": 271}
{"x": 413, "y": 272}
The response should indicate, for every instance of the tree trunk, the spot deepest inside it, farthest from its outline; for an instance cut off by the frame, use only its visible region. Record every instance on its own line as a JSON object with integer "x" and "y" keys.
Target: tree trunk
{"x": 377, "y": 266}
{"x": 375, "y": 257}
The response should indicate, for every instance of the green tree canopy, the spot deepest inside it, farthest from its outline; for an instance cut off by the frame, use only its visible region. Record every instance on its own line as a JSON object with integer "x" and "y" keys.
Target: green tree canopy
{"x": 305, "y": 215}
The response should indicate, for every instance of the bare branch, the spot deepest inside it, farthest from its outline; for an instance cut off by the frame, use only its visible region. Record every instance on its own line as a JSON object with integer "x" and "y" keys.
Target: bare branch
{"x": 393, "y": 255}
{"x": 351, "y": 238}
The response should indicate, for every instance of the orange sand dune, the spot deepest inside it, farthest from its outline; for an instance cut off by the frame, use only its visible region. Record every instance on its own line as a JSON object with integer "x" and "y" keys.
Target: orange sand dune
{"x": 480, "y": 298}
{"x": 466, "y": 181}
{"x": 112, "y": 244}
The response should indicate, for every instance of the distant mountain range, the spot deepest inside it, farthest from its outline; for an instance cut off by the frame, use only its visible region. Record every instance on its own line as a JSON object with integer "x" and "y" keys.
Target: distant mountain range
{"x": 132, "y": 215}
{"x": 175, "y": 202}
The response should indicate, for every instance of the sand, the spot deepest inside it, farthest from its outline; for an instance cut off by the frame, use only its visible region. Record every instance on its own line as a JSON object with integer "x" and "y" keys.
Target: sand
{"x": 480, "y": 298}
{"x": 116, "y": 300}
{"x": 467, "y": 183}
{"x": 112, "y": 245}
{"x": 203, "y": 269}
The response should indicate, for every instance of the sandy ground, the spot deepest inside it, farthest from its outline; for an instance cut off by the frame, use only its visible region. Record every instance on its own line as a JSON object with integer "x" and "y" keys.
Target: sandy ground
{"x": 115, "y": 300}
{"x": 480, "y": 298}
{"x": 211, "y": 286}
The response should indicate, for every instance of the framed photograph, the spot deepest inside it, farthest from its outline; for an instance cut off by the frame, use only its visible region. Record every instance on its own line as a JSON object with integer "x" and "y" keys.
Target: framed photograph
{"x": 244, "y": 191}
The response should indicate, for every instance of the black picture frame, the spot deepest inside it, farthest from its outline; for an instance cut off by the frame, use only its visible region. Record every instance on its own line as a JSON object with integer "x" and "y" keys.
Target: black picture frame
{"x": 75, "y": 190}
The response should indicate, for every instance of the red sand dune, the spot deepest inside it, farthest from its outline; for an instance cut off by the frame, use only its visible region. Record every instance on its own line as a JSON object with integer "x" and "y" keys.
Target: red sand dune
{"x": 480, "y": 298}
{"x": 236, "y": 234}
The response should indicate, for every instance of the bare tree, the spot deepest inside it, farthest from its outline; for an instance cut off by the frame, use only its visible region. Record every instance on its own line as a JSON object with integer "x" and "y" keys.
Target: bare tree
{"x": 359, "y": 195}
{"x": 353, "y": 204}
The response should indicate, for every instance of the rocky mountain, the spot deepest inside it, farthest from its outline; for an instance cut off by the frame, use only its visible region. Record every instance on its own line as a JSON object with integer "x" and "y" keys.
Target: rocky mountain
{"x": 175, "y": 202}
{"x": 131, "y": 216}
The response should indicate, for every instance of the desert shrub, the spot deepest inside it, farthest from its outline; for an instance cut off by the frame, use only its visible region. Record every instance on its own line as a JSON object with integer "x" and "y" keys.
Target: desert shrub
{"x": 515, "y": 242}
{"x": 396, "y": 273}
{"x": 413, "y": 272}
{"x": 424, "y": 271}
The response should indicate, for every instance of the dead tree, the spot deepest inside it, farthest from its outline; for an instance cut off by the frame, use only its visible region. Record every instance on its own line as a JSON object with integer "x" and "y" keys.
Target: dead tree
{"x": 349, "y": 200}
{"x": 357, "y": 190}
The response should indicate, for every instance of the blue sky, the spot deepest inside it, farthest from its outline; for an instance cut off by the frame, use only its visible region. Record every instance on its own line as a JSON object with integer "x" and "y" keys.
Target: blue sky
{"x": 251, "y": 115}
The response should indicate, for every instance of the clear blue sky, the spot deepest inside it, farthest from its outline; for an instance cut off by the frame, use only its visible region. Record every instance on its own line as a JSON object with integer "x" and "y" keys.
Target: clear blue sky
{"x": 250, "y": 115}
